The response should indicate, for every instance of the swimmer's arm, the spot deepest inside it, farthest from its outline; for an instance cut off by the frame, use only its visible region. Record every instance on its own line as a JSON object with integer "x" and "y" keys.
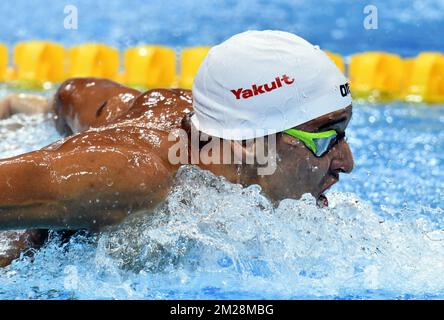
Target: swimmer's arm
{"x": 84, "y": 182}
{"x": 23, "y": 103}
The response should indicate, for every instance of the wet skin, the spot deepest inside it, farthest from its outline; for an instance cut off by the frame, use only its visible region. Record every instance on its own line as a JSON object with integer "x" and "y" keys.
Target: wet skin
{"x": 114, "y": 160}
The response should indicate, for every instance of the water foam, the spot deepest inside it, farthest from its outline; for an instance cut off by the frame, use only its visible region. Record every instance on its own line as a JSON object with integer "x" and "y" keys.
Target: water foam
{"x": 208, "y": 226}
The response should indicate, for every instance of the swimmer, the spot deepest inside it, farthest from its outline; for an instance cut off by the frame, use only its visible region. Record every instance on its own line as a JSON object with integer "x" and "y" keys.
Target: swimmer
{"x": 115, "y": 159}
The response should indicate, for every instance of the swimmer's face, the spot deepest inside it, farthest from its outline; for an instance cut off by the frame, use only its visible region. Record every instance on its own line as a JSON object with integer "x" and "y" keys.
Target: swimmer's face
{"x": 299, "y": 171}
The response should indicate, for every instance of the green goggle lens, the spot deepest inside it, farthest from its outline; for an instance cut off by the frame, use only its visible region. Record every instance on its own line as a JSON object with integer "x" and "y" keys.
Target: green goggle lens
{"x": 318, "y": 142}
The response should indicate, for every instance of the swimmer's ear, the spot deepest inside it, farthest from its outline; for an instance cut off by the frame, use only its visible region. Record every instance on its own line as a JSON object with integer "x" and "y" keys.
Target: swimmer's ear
{"x": 256, "y": 152}
{"x": 243, "y": 150}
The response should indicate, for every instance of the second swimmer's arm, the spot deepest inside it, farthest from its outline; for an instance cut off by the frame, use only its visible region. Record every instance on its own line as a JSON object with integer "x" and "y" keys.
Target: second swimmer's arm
{"x": 88, "y": 181}
{"x": 22, "y": 102}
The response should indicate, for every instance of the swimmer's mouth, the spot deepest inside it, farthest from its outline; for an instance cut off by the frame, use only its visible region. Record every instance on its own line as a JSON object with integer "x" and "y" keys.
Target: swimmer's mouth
{"x": 322, "y": 200}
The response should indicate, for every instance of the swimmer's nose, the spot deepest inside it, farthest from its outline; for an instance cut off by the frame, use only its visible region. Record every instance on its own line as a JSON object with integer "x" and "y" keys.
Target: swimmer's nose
{"x": 342, "y": 160}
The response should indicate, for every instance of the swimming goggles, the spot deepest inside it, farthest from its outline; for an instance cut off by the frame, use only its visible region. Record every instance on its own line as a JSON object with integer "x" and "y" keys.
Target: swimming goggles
{"x": 318, "y": 142}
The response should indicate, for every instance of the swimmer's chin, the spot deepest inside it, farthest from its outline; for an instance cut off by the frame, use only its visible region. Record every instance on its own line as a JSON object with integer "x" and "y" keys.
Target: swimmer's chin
{"x": 321, "y": 199}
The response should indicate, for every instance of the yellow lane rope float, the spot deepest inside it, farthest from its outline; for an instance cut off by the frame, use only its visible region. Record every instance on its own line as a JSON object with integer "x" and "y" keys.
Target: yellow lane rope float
{"x": 149, "y": 66}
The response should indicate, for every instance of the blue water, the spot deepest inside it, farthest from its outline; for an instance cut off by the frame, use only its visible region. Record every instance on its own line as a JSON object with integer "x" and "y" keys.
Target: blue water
{"x": 381, "y": 237}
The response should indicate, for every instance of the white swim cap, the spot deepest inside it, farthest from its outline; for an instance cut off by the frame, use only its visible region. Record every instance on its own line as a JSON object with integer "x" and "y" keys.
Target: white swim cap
{"x": 265, "y": 81}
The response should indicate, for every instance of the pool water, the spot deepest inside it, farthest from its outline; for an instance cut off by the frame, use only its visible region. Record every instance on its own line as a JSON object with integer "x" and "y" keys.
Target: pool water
{"x": 381, "y": 237}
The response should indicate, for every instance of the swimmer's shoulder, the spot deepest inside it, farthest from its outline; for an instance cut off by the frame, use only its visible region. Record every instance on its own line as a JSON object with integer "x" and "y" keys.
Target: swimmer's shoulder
{"x": 160, "y": 108}
{"x": 179, "y": 98}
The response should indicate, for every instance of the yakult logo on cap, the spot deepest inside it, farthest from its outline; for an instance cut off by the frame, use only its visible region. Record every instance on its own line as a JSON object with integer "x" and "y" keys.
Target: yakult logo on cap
{"x": 255, "y": 90}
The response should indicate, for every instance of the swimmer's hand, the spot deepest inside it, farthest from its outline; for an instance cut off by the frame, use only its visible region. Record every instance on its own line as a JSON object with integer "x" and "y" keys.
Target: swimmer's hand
{"x": 23, "y": 103}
